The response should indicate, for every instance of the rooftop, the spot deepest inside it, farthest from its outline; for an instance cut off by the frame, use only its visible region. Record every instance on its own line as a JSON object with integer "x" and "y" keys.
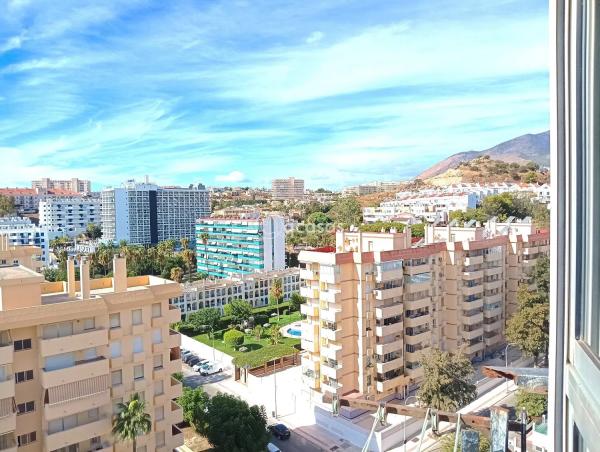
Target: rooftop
{"x": 17, "y": 273}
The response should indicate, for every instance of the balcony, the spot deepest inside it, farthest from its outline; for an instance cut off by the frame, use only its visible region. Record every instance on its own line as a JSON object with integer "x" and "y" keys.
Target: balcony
{"x": 7, "y": 387}
{"x": 419, "y": 303}
{"x": 312, "y": 381}
{"x": 474, "y": 260}
{"x": 383, "y": 294}
{"x": 474, "y": 347}
{"x": 472, "y": 334}
{"x": 392, "y": 383}
{"x": 332, "y": 314}
{"x": 493, "y": 271}
{"x": 309, "y": 331}
{"x": 492, "y": 285}
{"x": 416, "y": 269}
{"x": 173, "y": 315}
{"x": 472, "y": 290}
{"x": 418, "y": 338}
{"x": 390, "y": 365}
{"x": 474, "y": 274}
{"x": 472, "y": 319}
{"x": 383, "y": 312}
{"x": 331, "y": 370}
{"x": 80, "y": 371}
{"x": 331, "y": 386}
{"x": 496, "y": 298}
{"x": 394, "y": 346}
{"x": 8, "y": 423}
{"x": 414, "y": 373}
{"x": 176, "y": 412}
{"x": 492, "y": 340}
{"x": 76, "y": 405}
{"x": 309, "y": 310}
{"x": 8, "y": 442}
{"x": 175, "y": 389}
{"x": 330, "y": 334}
{"x": 493, "y": 312}
{"x": 387, "y": 275}
{"x": 475, "y": 304}
{"x": 311, "y": 346}
{"x": 308, "y": 275}
{"x": 6, "y": 353}
{"x": 309, "y": 292}
{"x": 417, "y": 320}
{"x": 174, "y": 339}
{"x": 418, "y": 287}
{"x": 332, "y": 351}
{"x": 57, "y": 440}
{"x": 385, "y": 330}
{"x": 310, "y": 364}
{"x": 331, "y": 295}
{"x": 176, "y": 436}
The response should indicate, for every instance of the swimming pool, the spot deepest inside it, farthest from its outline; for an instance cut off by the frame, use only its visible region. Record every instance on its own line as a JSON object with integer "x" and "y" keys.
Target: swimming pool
{"x": 294, "y": 332}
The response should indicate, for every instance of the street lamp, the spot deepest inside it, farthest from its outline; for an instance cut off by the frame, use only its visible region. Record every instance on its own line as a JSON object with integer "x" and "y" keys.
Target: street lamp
{"x": 404, "y": 423}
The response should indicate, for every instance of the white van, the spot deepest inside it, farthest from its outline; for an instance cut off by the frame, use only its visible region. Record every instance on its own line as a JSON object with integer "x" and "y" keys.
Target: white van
{"x": 273, "y": 448}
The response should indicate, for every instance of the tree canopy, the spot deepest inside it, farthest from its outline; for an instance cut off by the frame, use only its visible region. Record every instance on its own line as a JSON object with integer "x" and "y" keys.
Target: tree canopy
{"x": 447, "y": 381}
{"x": 131, "y": 420}
{"x": 205, "y": 318}
{"x": 535, "y": 404}
{"x": 239, "y": 310}
{"x": 233, "y": 338}
{"x": 346, "y": 211}
{"x": 93, "y": 231}
{"x": 379, "y": 225}
{"x": 7, "y": 206}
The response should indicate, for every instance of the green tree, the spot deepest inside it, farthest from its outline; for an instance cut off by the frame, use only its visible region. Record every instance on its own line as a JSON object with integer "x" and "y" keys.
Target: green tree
{"x": 204, "y": 239}
{"x": 446, "y": 380}
{"x": 7, "y": 206}
{"x": 319, "y": 218}
{"x": 131, "y": 420}
{"x": 418, "y": 230}
{"x": 447, "y": 443}
{"x": 505, "y": 205}
{"x": 234, "y": 426}
{"x": 93, "y": 231}
{"x": 276, "y": 294}
{"x": 296, "y": 300}
{"x": 233, "y": 338}
{"x": 194, "y": 403}
{"x": 535, "y": 404}
{"x": 258, "y": 332}
{"x": 205, "y": 318}
{"x": 239, "y": 310}
{"x": 274, "y": 335}
{"x": 379, "y": 225}
{"x": 176, "y": 274}
{"x": 346, "y": 211}
{"x": 470, "y": 214}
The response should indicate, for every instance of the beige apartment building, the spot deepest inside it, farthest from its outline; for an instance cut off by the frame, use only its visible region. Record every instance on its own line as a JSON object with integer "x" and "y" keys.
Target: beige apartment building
{"x": 75, "y": 185}
{"x": 289, "y": 189}
{"x": 376, "y": 303}
{"x": 69, "y": 352}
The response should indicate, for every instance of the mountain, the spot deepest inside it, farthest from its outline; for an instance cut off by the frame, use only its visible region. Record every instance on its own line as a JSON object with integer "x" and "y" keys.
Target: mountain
{"x": 530, "y": 147}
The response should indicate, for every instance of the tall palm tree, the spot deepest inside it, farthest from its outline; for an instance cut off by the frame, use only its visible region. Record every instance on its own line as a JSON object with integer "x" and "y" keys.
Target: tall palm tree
{"x": 176, "y": 274}
{"x": 276, "y": 293}
{"x": 132, "y": 420}
{"x": 188, "y": 257}
{"x": 185, "y": 242}
{"x": 204, "y": 238}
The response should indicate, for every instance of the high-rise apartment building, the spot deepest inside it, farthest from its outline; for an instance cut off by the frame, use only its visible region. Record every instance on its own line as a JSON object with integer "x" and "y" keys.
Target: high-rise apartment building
{"x": 227, "y": 247}
{"x": 70, "y": 215}
{"x": 289, "y": 189}
{"x": 144, "y": 213}
{"x": 75, "y": 185}
{"x": 70, "y": 352}
{"x": 376, "y": 303}
{"x": 25, "y": 255}
{"x": 21, "y": 231}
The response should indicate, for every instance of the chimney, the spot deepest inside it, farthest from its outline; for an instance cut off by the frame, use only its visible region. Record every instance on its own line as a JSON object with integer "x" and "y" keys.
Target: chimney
{"x": 3, "y": 242}
{"x": 84, "y": 278}
{"x": 71, "y": 276}
{"x": 119, "y": 274}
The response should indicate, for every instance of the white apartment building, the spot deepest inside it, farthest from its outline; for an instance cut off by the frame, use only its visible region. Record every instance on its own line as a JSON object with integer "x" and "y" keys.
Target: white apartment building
{"x": 144, "y": 213}
{"x": 74, "y": 184}
{"x": 27, "y": 200}
{"x": 373, "y": 187}
{"x": 71, "y": 215}
{"x": 254, "y": 289}
{"x": 21, "y": 231}
{"x": 289, "y": 189}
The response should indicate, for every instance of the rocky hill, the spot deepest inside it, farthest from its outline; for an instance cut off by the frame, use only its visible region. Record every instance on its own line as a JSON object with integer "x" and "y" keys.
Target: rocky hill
{"x": 530, "y": 147}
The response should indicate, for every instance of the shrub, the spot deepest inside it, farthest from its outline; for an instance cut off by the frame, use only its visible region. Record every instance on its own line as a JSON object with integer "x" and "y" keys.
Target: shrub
{"x": 261, "y": 319}
{"x": 233, "y": 338}
{"x": 285, "y": 312}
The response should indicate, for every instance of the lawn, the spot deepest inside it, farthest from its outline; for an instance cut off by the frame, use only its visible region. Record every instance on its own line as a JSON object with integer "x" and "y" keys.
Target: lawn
{"x": 250, "y": 341}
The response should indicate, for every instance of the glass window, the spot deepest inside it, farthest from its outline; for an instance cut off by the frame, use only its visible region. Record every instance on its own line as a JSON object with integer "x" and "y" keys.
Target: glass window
{"x": 116, "y": 402}
{"x": 115, "y": 320}
{"x": 160, "y": 439}
{"x": 22, "y": 344}
{"x": 157, "y": 336}
{"x": 116, "y": 377}
{"x": 159, "y": 413}
{"x": 138, "y": 372}
{"x": 136, "y": 317}
{"x": 158, "y": 361}
{"x": 89, "y": 324}
{"x": 115, "y": 349}
{"x": 138, "y": 344}
{"x": 158, "y": 387}
{"x": 156, "y": 310}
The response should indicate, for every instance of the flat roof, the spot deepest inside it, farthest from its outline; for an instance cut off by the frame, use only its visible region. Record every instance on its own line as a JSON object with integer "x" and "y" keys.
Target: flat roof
{"x": 17, "y": 272}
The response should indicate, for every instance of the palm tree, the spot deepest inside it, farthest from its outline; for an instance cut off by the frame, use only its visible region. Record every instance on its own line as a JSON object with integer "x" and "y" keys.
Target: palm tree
{"x": 176, "y": 274}
{"x": 185, "y": 242}
{"x": 274, "y": 335}
{"x": 132, "y": 420}
{"x": 276, "y": 293}
{"x": 188, "y": 257}
{"x": 204, "y": 238}
{"x": 258, "y": 331}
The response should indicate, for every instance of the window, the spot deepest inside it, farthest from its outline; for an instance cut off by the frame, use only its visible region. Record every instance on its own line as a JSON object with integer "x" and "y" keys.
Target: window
{"x": 89, "y": 324}
{"x": 156, "y": 311}
{"x": 115, "y": 349}
{"x": 159, "y": 413}
{"x": 115, "y": 320}
{"x": 138, "y": 372}
{"x": 116, "y": 377}
{"x": 160, "y": 439}
{"x": 27, "y": 438}
{"x": 22, "y": 344}
{"x": 138, "y": 344}
{"x": 115, "y": 408}
{"x": 158, "y": 361}
{"x": 158, "y": 387}
{"x": 23, "y": 376}
{"x": 136, "y": 317}
{"x": 26, "y": 407}
{"x": 57, "y": 330}
{"x": 157, "y": 336}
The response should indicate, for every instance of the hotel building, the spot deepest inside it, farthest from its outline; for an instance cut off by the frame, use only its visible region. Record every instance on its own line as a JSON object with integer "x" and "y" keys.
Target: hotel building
{"x": 376, "y": 303}
{"x": 252, "y": 288}
{"x": 144, "y": 213}
{"x": 70, "y": 215}
{"x": 289, "y": 189}
{"x": 228, "y": 246}
{"x": 70, "y": 352}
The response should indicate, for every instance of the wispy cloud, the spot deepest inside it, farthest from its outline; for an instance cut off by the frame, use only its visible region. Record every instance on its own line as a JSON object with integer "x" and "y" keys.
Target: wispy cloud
{"x": 233, "y": 177}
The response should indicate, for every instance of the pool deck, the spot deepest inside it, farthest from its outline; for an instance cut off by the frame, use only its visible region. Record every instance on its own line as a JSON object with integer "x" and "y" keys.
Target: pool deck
{"x": 284, "y": 329}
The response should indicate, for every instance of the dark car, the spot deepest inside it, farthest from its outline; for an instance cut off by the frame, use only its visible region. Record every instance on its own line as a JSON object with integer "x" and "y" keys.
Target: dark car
{"x": 194, "y": 360}
{"x": 188, "y": 358}
{"x": 279, "y": 431}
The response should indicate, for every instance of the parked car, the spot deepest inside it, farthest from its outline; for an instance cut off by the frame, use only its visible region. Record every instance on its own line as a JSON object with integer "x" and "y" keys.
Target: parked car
{"x": 279, "y": 431}
{"x": 196, "y": 367}
{"x": 273, "y": 448}
{"x": 188, "y": 358}
{"x": 209, "y": 369}
{"x": 193, "y": 361}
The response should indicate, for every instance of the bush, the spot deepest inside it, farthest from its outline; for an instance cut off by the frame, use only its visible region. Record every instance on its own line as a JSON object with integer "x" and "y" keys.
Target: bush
{"x": 285, "y": 312}
{"x": 535, "y": 404}
{"x": 261, "y": 319}
{"x": 188, "y": 329}
{"x": 233, "y": 338}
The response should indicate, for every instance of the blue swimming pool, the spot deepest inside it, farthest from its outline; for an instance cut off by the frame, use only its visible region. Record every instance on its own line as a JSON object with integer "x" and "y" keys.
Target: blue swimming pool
{"x": 294, "y": 332}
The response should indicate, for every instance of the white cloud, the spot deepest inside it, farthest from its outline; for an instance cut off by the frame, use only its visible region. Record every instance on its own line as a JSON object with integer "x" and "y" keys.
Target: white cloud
{"x": 234, "y": 176}
{"x": 314, "y": 37}
{"x": 14, "y": 42}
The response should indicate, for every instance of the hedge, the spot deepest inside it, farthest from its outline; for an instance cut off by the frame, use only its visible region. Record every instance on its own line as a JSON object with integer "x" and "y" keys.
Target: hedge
{"x": 263, "y": 355}
{"x": 233, "y": 338}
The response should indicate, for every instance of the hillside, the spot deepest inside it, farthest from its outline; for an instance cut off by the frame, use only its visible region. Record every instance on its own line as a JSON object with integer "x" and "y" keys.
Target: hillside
{"x": 484, "y": 169}
{"x": 530, "y": 147}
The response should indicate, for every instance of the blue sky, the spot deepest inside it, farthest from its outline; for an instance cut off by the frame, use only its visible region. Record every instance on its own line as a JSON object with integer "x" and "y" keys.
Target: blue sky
{"x": 238, "y": 92}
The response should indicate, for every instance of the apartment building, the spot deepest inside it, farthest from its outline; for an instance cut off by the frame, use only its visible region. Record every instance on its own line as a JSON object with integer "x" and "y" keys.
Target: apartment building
{"x": 70, "y": 215}
{"x": 27, "y": 200}
{"x": 228, "y": 246}
{"x": 74, "y": 184}
{"x": 376, "y": 303}
{"x": 290, "y": 189}
{"x": 252, "y": 288}
{"x": 70, "y": 352}
{"x": 144, "y": 213}
{"x": 27, "y": 256}
{"x": 21, "y": 231}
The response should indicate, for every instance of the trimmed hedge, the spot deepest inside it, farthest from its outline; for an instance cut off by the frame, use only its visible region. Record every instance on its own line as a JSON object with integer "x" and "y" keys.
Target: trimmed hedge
{"x": 233, "y": 338}
{"x": 263, "y": 355}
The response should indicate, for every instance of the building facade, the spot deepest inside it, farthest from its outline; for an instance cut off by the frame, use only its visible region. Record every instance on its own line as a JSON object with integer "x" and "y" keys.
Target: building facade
{"x": 289, "y": 189}
{"x": 70, "y": 352}
{"x": 21, "y": 231}
{"x": 376, "y": 303}
{"x": 71, "y": 215}
{"x": 252, "y": 288}
{"x": 227, "y": 247}
{"x": 27, "y": 200}
{"x": 75, "y": 185}
{"x": 144, "y": 213}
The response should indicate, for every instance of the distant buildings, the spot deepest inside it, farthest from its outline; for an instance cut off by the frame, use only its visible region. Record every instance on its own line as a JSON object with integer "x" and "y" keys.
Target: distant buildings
{"x": 253, "y": 288}
{"x": 71, "y": 351}
{"x": 75, "y": 185}
{"x": 71, "y": 215}
{"x": 290, "y": 189}
{"x": 21, "y": 231}
{"x": 376, "y": 303}
{"x": 373, "y": 187}
{"x": 144, "y": 213}
{"x": 229, "y": 246}
{"x": 27, "y": 200}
